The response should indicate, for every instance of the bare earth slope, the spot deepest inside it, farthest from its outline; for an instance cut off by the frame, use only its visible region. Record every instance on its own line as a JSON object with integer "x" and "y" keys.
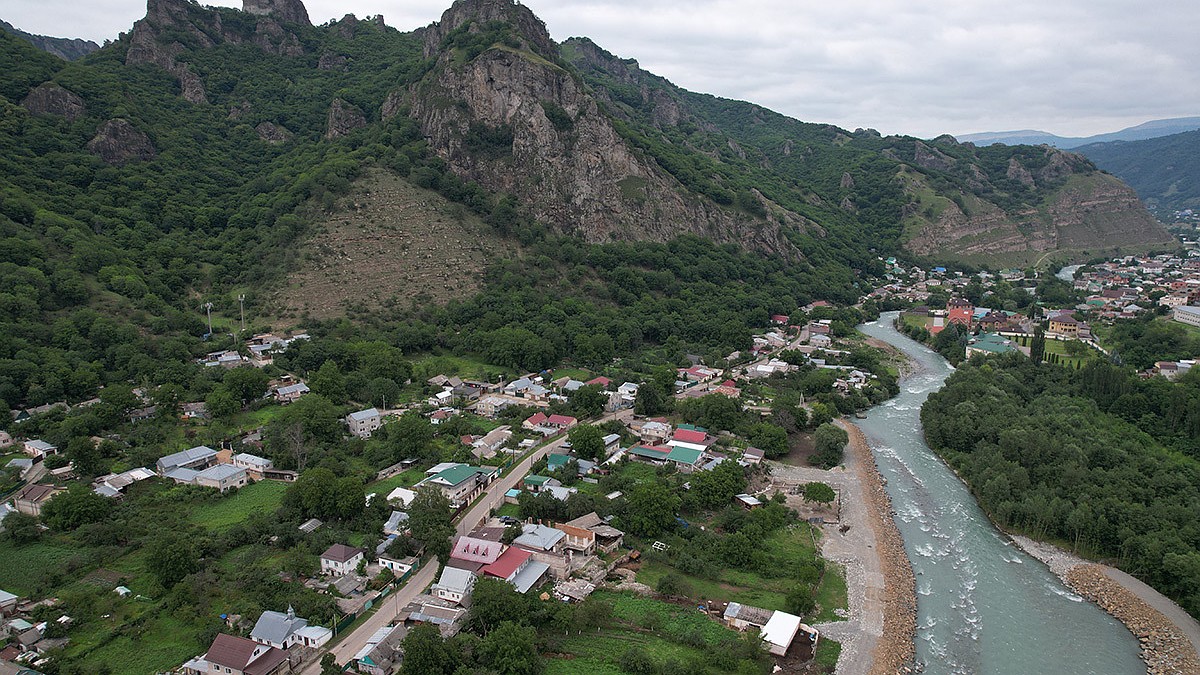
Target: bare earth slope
{"x": 389, "y": 242}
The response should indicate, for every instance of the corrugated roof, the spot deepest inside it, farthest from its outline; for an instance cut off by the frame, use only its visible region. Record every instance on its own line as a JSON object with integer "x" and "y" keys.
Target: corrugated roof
{"x": 507, "y": 563}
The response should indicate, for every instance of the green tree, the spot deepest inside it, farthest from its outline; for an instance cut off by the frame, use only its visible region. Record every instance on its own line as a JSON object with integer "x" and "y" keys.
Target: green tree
{"x": 799, "y": 600}
{"x": 770, "y": 438}
{"x": 588, "y": 401}
{"x": 382, "y": 390}
{"x": 1037, "y": 347}
{"x": 511, "y": 649}
{"x": 246, "y": 383}
{"x": 587, "y": 442}
{"x": 426, "y": 653}
{"x": 410, "y": 437}
{"x": 172, "y": 556}
{"x": 22, "y": 528}
{"x": 650, "y": 400}
{"x": 430, "y": 520}
{"x": 650, "y": 510}
{"x": 86, "y": 456}
{"x": 77, "y": 506}
{"x": 830, "y": 443}
{"x": 716, "y": 487}
{"x": 221, "y": 403}
{"x": 819, "y": 492}
{"x": 493, "y": 603}
{"x": 329, "y": 382}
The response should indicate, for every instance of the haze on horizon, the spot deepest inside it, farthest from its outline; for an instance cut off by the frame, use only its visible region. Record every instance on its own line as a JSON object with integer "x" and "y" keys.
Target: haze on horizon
{"x": 1072, "y": 67}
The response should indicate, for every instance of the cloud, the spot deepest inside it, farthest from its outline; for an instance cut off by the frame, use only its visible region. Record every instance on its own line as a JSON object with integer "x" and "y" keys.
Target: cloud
{"x": 921, "y": 67}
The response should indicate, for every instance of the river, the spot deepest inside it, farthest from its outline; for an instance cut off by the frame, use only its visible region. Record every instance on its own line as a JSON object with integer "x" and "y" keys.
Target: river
{"x": 983, "y": 605}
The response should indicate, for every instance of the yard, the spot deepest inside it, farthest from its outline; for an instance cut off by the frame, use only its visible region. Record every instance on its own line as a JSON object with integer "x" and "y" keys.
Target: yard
{"x": 1061, "y": 355}
{"x": 404, "y": 479}
{"x": 669, "y": 635}
{"x": 25, "y": 566}
{"x": 263, "y": 496}
{"x": 731, "y": 585}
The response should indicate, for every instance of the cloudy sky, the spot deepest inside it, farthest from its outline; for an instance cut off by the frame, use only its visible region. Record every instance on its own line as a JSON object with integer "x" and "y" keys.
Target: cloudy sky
{"x": 920, "y": 67}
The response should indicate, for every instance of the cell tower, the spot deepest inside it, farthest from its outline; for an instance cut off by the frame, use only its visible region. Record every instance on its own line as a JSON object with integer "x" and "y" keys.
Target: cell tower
{"x": 208, "y": 306}
{"x": 242, "y": 305}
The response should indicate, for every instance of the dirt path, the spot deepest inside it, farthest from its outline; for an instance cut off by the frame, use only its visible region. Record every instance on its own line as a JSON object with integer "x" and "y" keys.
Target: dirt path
{"x": 1169, "y": 636}
{"x": 877, "y": 635}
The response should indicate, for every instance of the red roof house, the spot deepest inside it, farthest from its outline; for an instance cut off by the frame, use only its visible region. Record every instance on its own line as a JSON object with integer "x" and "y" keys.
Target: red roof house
{"x": 535, "y": 420}
{"x": 508, "y": 564}
{"x": 561, "y": 421}
{"x": 476, "y": 550}
{"x": 689, "y": 436}
{"x": 779, "y": 319}
{"x": 961, "y": 316}
{"x": 604, "y": 382}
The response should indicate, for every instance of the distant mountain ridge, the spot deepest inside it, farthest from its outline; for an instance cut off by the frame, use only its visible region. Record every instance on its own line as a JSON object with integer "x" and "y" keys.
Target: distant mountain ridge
{"x": 1144, "y": 131}
{"x": 64, "y": 48}
{"x": 1165, "y": 171}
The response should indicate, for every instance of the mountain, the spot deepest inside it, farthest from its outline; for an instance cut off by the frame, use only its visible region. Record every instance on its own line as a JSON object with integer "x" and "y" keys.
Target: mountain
{"x": 1146, "y": 130}
{"x": 64, "y": 48}
{"x": 1165, "y": 171}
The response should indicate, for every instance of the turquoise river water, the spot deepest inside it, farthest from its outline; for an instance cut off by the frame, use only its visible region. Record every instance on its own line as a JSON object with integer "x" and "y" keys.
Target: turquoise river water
{"x": 983, "y": 605}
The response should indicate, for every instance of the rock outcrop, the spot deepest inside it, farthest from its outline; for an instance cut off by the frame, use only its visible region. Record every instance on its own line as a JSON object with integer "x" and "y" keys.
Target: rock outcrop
{"x": 153, "y": 39}
{"x": 342, "y": 119}
{"x": 273, "y": 133}
{"x": 118, "y": 142}
{"x": 64, "y": 48}
{"x": 287, "y": 11}
{"x": 49, "y": 98}
{"x": 490, "y": 119}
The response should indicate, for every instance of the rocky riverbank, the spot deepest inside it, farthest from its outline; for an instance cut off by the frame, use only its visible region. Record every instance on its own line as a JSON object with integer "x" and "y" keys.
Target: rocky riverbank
{"x": 1166, "y": 646}
{"x": 895, "y": 650}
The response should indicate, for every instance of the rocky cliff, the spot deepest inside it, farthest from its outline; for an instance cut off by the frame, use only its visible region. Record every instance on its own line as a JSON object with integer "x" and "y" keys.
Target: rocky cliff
{"x": 503, "y": 110}
{"x": 64, "y": 48}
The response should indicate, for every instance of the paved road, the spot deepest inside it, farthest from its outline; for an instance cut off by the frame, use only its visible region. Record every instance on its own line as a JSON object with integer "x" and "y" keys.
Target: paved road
{"x": 494, "y": 498}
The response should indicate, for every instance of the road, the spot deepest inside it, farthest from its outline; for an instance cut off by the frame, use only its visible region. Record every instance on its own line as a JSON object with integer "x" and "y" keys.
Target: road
{"x": 473, "y": 517}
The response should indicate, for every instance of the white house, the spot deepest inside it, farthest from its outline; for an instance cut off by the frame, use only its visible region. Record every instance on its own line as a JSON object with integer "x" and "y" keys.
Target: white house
{"x": 340, "y": 559}
{"x": 364, "y": 422}
{"x": 282, "y": 630}
{"x": 38, "y": 448}
{"x": 455, "y": 585}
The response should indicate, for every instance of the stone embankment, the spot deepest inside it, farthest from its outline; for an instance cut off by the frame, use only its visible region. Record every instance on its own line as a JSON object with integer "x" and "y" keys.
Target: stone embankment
{"x": 894, "y": 652}
{"x": 1167, "y": 647}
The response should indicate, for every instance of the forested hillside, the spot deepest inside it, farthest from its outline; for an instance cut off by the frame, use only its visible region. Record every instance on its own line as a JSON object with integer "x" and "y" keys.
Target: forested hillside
{"x": 1097, "y": 459}
{"x": 1165, "y": 171}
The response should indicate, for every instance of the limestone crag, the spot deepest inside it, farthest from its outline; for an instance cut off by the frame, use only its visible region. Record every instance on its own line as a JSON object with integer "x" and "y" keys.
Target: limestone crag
{"x": 576, "y": 172}
{"x": 68, "y": 49}
{"x": 49, "y": 98}
{"x": 342, "y": 119}
{"x": 287, "y": 11}
{"x": 273, "y": 133}
{"x": 118, "y": 142}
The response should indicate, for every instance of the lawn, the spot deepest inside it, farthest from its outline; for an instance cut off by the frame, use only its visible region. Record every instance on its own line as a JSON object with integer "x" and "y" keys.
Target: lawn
{"x": 750, "y": 588}
{"x": 263, "y": 496}
{"x": 158, "y": 644}
{"x": 24, "y": 566}
{"x": 573, "y": 373}
{"x": 1059, "y": 348}
{"x": 665, "y": 632}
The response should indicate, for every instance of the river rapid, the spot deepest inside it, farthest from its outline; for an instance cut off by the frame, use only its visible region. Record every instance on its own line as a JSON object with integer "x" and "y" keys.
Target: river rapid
{"x": 983, "y": 605}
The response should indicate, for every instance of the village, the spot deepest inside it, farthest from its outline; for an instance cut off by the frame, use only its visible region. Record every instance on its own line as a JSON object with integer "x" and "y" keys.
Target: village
{"x": 569, "y": 485}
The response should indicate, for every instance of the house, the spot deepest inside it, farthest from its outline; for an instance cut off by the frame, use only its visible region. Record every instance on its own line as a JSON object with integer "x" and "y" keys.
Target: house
{"x": 612, "y": 443}
{"x": 282, "y": 630}
{"x": 256, "y": 467}
{"x": 698, "y": 374}
{"x": 364, "y": 422}
{"x": 398, "y": 566}
{"x": 223, "y": 477}
{"x": 747, "y": 502}
{"x": 743, "y": 617}
{"x": 403, "y": 496}
{"x": 489, "y": 444}
{"x": 197, "y": 458}
{"x": 289, "y": 393}
{"x": 447, "y": 616}
{"x": 238, "y": 656}
{"x": 340, "y": 559}
{"x": 396, "y": 523}
{"x": 454, "y": 585}
{"x": 779, "y": 319}
{"x": 608, "y": 538}
{"x": 753, "y": 455}
{"x": 989, "y": 343}
{"x": 561, "y": 421}
{"x": 1064, "y": 324}
{"x": 1187, "y": 314}
{"x": 8, "y": 603}
{"x": 820, "y": 341}
{"x": 381, "y": 655}
{"x": 534, "y": 421}
{"x": 31, "y": 498}
{"x": 691, "y": 439}
{"x": 472, "y": 553}
{"x": 779, "y": 632}
{"x": 536, "y": 537}
{"x": 963, "y": 316}
{"x": 38, "y": 448}
{"x": 601, "y": 381}
{"x": 535, "y": 483}
{"x": 654, "y": 432}
{"x": 459, "y": 482}
{"x": 578, "y": 539}
{"x": 114, "y": 484}
{"x": 517, "y": 567}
